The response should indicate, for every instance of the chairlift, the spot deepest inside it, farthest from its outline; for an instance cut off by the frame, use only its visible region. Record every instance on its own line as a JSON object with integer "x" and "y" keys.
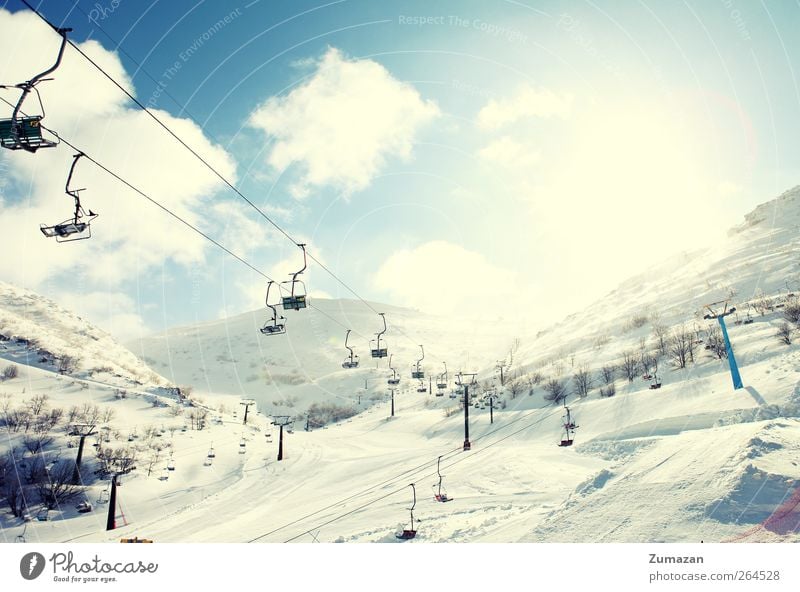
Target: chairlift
{"x": 418, "y": 372}
{"x": 395, "y": 379}
{"x": 352, "y": 360}
{"x": 242, "y": 446}
{"x": 297, "y": 291}
{"x": 171, "y": 465}
{"x": 164, "y": 475}
{"x": 655, "y": 383}
{"x": 272, "y": 326}
{"x": 409, "y": 533}
{"x": 103, "y": 499}
{"x": 441, "y": 381}
{"x": 79, "y": 226}
{"x": 441, "y": 493}
{"x": 422, "y": 388}
{"x": 43, "y": 515}
{"x": 25, "y": 131}
{"x": 569, "y": 428}
{"x": 376, "y": 350}
{"x": 83, "y": 507}
{"x": 211, "y": 453}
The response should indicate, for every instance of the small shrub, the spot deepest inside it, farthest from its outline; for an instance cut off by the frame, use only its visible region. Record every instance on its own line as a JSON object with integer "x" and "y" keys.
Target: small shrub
{"x": 10, "y": 371}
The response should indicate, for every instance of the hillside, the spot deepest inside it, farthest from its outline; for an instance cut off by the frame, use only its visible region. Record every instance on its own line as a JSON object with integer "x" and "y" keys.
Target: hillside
{"x": 694, "y": 460}
{"x": 304, "y": 365}
{"x": 36, "y": 331}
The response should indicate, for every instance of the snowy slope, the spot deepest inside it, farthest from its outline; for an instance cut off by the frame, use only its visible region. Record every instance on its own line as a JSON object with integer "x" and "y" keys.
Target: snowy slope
{"x": 694, "y": 460}
{"x": 304, "y": 364}
{"x": 36, "y": 330}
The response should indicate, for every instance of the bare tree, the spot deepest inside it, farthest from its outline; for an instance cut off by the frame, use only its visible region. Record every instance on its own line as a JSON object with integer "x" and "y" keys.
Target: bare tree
{"x": 630, "y": 365}
{"x": 516, "y": 386}
{"x": 37, "y": 441}
{"x": 107, "y": 415}
{"x": 582, "y": 379}
{"x": 9, "y": 372}
{"x": 608, "y": 391}
{"x": 661, "y": 335}
{"x": 67, "y": 364}
{"x": 715, "y": 343}
{"x": 681, "y": 346}
{"x": 763, "y": 304}
{"x": 608, "y": 373}
{"x": 38, "y": 403}
{"x": 555, "y": 390}
{"x": 792, "y": 312}
{"x": 12, "y": 485}
{"x": 785, "y": 332}
{"x": 55, "y": 486}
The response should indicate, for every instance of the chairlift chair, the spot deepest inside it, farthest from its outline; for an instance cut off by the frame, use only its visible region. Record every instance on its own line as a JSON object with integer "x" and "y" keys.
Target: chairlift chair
{"x": 297, "y": 291}
{"x": 569, "y": 428}
{"x": 441, "y": 380}
{"x": 409, "y": 533}
{"x": 79, "y": 226}
{"x": 422, "y": 388}
{"x": 171, "y": 465}
{"x": 211, "y": 453}
{"x": 83, "y": 507}
{"x": 272, "y": 326}
{"x": 375, "y": 345}
{"x": 352, "y": 360}
{"x": 25, "y": 131}
{"x": 440, "y": 493}
{"x": 418, "y": 372}
{"x": 395, "y": 379}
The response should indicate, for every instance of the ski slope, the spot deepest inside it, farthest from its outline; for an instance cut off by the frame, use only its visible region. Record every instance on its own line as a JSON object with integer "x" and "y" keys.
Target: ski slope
{"x": 692, "y": 461}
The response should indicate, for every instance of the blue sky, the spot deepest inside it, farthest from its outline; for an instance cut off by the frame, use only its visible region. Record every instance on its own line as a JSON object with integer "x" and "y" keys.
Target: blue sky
{"x": 529, "y": 153}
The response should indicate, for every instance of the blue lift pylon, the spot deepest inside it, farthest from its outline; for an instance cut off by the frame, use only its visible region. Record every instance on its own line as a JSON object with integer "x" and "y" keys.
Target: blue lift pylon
{"x": 714, "y": 313}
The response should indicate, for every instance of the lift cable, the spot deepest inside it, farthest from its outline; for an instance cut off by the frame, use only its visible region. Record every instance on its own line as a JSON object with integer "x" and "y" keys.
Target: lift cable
{"x": 433, "y": 474}
{"x": 211, "y": 167}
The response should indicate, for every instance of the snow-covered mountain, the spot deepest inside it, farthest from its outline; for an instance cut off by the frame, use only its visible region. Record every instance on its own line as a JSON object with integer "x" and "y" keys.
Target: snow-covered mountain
{"x": 304, "y": 365}
{"x": 692, "y": 460}
{"x": 37, "y": 331}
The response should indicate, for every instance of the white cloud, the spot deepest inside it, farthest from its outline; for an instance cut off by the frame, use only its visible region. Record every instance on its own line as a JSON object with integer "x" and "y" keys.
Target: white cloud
{"x": 443, "y": 278}
{"x": 526, "y": 103}
{"x": 114, "y": 312}
{"x": 508, "y": 152}
{"x": 343, "y": 123}
{"x": 131, "y": 236}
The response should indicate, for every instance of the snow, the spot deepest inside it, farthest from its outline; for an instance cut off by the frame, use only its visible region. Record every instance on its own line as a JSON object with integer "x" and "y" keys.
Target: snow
{"x": 693, "y": 461}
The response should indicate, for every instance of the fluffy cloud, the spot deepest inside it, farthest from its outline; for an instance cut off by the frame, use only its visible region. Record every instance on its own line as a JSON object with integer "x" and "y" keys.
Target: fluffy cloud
{"x": 511, "y": 153}
{"x": 443, "y": 278}
{"x": 526, "y": 103}
{"x": 343, "y": 123}
{"x": 131, "y": 237}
